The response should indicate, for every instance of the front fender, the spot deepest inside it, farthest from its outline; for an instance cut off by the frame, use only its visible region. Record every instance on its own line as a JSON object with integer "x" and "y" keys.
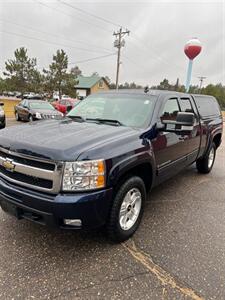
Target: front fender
{"x": 127, "y": 164}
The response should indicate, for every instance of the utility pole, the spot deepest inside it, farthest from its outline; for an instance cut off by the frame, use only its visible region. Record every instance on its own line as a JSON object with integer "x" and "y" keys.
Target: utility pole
{"x": 119, "y": 43}
{"x": 201, "y": 78}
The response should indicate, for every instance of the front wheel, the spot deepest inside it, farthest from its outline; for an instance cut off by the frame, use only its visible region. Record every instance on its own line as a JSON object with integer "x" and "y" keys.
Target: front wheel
{"x": 205, "y": 164}
{"x": 17, "y": 116}
{"x": 31, "y": 119}
{"x": 127, "y": 209}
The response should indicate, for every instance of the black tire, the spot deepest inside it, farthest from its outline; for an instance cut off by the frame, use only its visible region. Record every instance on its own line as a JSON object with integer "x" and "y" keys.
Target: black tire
{"x": 205, "y": 164}
{"x": 17, "y": 116}
{"x": 114, "y": 230}
{"x": 30, "y": 118}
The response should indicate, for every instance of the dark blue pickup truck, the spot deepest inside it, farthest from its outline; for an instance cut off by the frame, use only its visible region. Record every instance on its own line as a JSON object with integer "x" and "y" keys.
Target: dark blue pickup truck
{"x": 95, "y": 167}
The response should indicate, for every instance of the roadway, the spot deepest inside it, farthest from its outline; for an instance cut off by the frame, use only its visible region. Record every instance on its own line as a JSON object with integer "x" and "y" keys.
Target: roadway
{"x": 177, "y": 253}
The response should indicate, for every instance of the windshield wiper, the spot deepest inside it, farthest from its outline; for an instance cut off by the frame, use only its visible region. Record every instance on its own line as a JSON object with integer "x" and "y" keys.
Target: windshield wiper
{"x": 99, "y": 120}
{"x": 79, "y": 118}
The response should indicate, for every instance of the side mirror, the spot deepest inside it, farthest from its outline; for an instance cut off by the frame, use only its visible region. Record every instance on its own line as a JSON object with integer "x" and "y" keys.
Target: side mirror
{"x": 184, "y": 122}
{"x": 185, "y": 119}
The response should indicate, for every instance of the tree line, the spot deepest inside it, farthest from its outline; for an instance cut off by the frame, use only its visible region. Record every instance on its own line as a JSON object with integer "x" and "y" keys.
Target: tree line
{"x": 21, "y": 74}
{"x": 216, "y": 90}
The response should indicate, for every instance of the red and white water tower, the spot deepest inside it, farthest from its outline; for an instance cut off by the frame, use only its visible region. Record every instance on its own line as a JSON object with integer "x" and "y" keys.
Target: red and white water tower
{"x": 192, "y": 49}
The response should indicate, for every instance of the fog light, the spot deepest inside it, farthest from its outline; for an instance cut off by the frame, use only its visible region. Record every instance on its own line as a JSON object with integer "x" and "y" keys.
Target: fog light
{"x": 73, "y": 222}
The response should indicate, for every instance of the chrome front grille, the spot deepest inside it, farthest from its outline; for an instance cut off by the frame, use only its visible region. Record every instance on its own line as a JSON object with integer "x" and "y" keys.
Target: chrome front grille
{"x": 42, "y": 175}
{"x": 46, "y": 117}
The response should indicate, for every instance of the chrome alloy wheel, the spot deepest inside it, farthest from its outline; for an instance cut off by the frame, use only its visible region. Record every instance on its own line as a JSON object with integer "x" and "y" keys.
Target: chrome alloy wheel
{"x": 130, "y": 209}
{"x": 211, "y": 157}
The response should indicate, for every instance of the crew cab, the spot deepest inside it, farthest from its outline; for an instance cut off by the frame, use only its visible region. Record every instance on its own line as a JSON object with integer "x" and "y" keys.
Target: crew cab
{"x": 95, "y": 167}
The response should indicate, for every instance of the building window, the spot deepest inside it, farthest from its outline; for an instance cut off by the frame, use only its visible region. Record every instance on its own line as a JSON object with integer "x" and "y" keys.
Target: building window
{"x": 101, "y": 84}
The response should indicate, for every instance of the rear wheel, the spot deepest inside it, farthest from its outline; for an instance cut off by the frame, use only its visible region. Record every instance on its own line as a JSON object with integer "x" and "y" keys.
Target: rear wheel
{"x": 205, "y": 164}
{"x": 127, "y": 209}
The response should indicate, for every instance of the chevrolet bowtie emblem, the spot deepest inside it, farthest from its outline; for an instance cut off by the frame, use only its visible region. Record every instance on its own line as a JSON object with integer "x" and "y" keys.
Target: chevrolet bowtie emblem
{"x": 8, "y": 165}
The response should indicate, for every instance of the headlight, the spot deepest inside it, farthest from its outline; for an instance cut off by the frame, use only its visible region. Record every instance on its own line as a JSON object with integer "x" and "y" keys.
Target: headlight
{"x": 84, "y": 175}
{"x": 38, "y": 115}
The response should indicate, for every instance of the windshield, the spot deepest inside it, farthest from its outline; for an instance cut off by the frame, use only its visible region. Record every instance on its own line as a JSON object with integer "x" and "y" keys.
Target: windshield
{"x": 129, "y": 110}
{"x": 41, "y": 105}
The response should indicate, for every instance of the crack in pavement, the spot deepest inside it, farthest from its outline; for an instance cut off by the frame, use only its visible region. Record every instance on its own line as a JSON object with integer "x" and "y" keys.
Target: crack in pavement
{"x": 164, "y": 277}
{"x": 63, "y": 293}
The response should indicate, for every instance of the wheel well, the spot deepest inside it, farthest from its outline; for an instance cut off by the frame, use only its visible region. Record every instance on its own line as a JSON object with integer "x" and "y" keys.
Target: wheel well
{"x": 217, "y": 139}
{"x": 144, "y": 171}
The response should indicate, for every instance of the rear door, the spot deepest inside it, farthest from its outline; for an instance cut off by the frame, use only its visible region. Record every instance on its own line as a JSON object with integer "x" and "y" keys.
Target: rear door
{"x": 191, "y": 139}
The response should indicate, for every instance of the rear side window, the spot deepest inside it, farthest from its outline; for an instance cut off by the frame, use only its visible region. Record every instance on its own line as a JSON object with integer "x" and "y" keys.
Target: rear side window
{"x": 207, "y": 106}
{"x": 185, "y": 105}
{"x": 25, "y": 103}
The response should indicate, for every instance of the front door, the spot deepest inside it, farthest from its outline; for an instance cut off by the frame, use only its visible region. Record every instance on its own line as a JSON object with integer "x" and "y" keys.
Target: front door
{"x": 170, "y": 148}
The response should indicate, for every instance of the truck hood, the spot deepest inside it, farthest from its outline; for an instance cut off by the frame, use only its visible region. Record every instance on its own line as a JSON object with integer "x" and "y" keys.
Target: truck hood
{"x": 60, "y": 139}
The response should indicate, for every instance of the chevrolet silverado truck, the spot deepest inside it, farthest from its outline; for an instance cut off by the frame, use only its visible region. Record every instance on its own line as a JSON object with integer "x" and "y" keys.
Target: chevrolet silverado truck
{"x": 95, "y": 167}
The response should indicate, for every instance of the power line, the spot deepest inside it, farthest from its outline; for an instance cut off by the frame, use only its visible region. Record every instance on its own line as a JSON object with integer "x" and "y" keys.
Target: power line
{"x": 49, "y": 42}
{"x": 134, "y": 62}
{"x": 157, "y": 56}
{"x": 115, "y": 24}
{"x": 90, "y": 59}
{"x": 69, "y": 15}
{"x": 90, "y": 14}
{"x": 52, "y": 34}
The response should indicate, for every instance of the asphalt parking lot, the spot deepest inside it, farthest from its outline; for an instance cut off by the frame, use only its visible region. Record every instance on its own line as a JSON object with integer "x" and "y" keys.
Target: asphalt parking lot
{"x": 177, "y": 253}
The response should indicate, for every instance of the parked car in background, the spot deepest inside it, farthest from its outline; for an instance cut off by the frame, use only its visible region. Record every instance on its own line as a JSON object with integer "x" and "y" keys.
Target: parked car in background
{"x": 11, "y": 94}
{"x": 65, "y": 105}
{"x": 33, "y": 96}
{"x": 18, "y": 95}
{"x": 65, "y": 97}
{"x": 2, "y": 116}
{"x": 30, "y": 110}
{"x": 28, "y": 95}
{"x": 56, "y": 96}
